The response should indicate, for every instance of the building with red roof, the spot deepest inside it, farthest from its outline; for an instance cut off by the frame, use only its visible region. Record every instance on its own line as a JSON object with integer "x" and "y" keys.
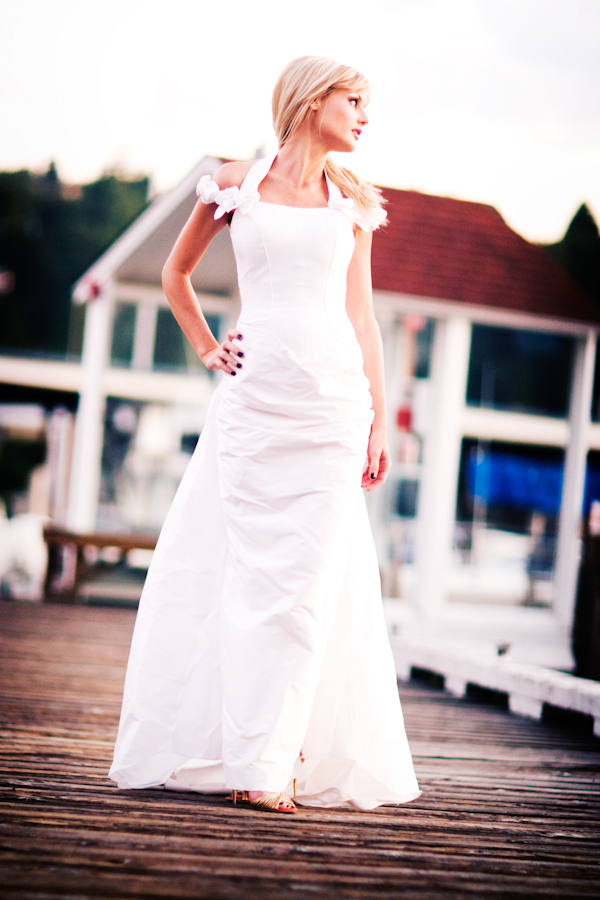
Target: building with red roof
{"x": 465, "y": 253}
{"x": 490, "y": 353}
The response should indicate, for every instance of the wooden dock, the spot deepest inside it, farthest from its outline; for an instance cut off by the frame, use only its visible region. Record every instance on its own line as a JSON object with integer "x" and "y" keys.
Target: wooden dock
{"x": 510, "y": 807}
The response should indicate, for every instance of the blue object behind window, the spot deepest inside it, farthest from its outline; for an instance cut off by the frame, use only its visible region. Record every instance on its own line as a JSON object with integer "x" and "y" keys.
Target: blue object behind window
{"x": 510, "y": 480}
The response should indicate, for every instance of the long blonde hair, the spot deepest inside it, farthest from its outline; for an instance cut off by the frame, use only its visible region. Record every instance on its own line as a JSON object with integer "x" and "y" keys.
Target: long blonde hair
{"x": 303, "y": 81}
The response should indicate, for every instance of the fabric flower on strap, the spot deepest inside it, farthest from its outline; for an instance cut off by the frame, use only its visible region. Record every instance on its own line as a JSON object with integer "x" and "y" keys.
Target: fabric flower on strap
{"x": 345, "y": 205}
{"x": 227, "y": 200}
{"x": 365, "y": 219}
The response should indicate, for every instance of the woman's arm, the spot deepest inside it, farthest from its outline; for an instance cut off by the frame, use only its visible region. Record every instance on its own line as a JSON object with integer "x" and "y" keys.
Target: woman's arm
{"x": 359, "y": 305}
{"x": 191, "y": 245}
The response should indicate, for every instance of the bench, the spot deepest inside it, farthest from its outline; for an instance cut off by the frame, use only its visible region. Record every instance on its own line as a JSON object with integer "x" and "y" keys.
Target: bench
{"x": 67, "y": 564}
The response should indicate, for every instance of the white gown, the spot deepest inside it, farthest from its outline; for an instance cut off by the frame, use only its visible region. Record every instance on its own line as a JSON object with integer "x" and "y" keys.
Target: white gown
{"x": 260, "y": 653}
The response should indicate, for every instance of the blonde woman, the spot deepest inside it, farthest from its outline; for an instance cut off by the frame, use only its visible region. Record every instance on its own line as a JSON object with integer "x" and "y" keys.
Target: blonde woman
{"x": 260, "y": 663}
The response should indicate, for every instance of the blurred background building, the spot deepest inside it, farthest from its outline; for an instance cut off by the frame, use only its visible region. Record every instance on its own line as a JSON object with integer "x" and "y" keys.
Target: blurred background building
{"x": 492, "y": 382}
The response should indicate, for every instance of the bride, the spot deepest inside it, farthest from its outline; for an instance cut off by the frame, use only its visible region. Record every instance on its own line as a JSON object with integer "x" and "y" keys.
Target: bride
{"x": 260, "y": 663}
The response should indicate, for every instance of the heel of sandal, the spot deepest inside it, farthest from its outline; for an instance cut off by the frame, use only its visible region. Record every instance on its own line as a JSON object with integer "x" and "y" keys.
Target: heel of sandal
{"x": 239, "y": 797}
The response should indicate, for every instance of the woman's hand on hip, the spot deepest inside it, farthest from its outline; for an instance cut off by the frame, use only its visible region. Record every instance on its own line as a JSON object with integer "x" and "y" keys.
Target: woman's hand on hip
{"x": 227, "y": 356}
{"x": 378, "y": 461}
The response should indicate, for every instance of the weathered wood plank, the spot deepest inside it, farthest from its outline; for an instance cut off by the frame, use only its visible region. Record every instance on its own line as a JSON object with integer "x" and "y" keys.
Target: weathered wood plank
{"x": 510, "y": 808}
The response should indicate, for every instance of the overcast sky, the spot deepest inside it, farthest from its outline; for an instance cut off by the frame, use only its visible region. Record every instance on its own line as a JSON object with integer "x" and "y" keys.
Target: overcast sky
{"x": 489, "y": 100}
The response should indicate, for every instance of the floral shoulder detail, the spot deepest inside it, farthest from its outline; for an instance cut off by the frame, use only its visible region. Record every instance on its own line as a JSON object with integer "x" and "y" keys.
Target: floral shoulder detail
{"x": 227, "y": 200}
{"x": 365, "y": 219}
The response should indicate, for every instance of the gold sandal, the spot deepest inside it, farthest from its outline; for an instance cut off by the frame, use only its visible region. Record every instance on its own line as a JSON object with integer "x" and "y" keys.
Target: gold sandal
{"x": 272, "y": 803}
{"x": 268, "y": 802}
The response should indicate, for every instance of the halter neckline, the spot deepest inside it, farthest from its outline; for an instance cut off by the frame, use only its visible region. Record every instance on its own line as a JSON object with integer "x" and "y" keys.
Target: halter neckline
{"x": 261, "y": 168}
{"x": 246, "y": 197}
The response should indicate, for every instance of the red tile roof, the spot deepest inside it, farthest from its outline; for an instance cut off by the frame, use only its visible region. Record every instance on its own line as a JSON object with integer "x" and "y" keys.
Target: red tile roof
{"x": 455, "y": 250}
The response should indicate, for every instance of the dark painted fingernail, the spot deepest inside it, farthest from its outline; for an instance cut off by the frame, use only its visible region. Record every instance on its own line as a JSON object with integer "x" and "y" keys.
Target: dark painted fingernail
{"x": 240, "y": 353}
{"x": 239, "y": 365}
{"x": 240, "y": 336}
{"x": 372, "y": 475}
{"x": 234, "y": 373}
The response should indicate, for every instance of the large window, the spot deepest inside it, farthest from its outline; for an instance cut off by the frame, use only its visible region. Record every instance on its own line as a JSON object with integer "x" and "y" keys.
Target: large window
{"x": 520, "y": 371}
{"x": 172, "y": 350}
{"x": 592, "y": 481}
{"x": 146, "y": 449}
{"x": 596, "y": 392}
{"x": 506, "y": 523}
{"x": 394, "y": 509}
{"x": 422, "y": 345}
{"x": 123, "y": 335}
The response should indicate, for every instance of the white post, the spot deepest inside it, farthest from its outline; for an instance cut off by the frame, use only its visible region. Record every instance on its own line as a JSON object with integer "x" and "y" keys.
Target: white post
{"x": 89, "y": 424}
{"x": 441, "y": 460}
{"x": 60, "y": 449}
{"x": 568, "y": 548}
{"x": 378, "y": 502}
{"x": 145, "y": 335}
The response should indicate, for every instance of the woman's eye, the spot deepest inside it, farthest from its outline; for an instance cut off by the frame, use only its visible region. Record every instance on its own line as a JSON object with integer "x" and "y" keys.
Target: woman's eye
{"x": 354, "y": 101}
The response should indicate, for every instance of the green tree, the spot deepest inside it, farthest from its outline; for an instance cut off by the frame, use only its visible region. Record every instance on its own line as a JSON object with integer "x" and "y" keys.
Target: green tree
{"x": 579, "y": 251}
{"x": 49, "y": 234}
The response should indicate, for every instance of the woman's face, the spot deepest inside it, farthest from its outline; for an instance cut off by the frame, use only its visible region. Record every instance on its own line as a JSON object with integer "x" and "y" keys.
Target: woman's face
{"x": 341, "y": 116}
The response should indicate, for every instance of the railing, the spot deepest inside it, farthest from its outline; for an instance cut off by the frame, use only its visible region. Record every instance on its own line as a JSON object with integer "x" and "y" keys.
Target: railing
{"x": 527, "y": 687}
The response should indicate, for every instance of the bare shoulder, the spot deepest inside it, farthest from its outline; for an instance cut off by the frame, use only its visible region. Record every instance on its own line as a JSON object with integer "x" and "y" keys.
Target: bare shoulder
{"x": 232, "y": 174}
{"x": 363, "y": 241}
